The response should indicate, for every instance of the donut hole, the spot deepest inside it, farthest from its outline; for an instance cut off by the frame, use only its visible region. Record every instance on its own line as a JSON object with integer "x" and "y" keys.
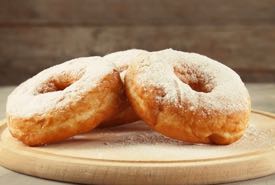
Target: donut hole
{"x": 58, "y": 83}
{"x": 198, "y": 82}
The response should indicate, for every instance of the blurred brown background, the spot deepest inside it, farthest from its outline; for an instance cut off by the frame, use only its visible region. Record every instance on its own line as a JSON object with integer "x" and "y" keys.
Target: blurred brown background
{"x": 35, "y": 34}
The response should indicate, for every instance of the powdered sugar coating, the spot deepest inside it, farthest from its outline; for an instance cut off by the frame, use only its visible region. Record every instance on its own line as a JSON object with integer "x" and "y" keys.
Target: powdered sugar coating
{"x": 227, "y": 93}
{"x": 122, "y": 59}
{"x": 27, "y": 100}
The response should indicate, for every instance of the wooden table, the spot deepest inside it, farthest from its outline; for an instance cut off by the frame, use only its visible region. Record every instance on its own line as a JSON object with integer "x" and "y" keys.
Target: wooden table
{"x": 263, "y": 98}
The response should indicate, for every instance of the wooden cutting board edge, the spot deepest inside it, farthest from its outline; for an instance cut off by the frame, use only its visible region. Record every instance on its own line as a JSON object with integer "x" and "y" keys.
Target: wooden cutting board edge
{"x": 3, "y": 126}
{"x": 256, "y": 164}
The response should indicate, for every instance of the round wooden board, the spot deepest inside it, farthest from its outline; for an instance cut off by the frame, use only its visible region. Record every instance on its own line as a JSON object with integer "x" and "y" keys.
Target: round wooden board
{"x": 133, "y": 154}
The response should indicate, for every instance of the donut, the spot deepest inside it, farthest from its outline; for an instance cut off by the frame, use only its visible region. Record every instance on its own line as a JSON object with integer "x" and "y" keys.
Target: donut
{"x": 122, "y": 59}
{"x": 64, "y": 100}
{"x": 188, "y": 97}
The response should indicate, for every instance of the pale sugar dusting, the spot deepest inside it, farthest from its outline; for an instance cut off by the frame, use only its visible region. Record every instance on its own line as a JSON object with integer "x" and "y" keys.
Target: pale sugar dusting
{"x": 27, "y": 101}
{"x": 122, "y": 59}
{"x": 227, "y": 91}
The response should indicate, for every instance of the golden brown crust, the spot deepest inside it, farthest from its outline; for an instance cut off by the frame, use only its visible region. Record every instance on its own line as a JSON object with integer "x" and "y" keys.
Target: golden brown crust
{"x": 125, "y": 115}
{"x": 98, "y": 104}
{"x": 122, "y": 59}
{"x": 181, "y": 123}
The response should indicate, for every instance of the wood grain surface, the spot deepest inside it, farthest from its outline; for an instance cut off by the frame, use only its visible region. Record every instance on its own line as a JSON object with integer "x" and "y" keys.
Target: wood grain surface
{"x": 37, "y": 34}
{"x": 147, "y": 158}
{"x": 132, "y": 12}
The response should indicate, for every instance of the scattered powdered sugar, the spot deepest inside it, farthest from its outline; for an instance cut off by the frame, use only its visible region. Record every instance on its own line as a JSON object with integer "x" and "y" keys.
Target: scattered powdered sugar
{"x": 253, "y": 138}
{"x": 27, "y": 100}
{"x": 226, "y": 90}
{"x": 137, "y": 142}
